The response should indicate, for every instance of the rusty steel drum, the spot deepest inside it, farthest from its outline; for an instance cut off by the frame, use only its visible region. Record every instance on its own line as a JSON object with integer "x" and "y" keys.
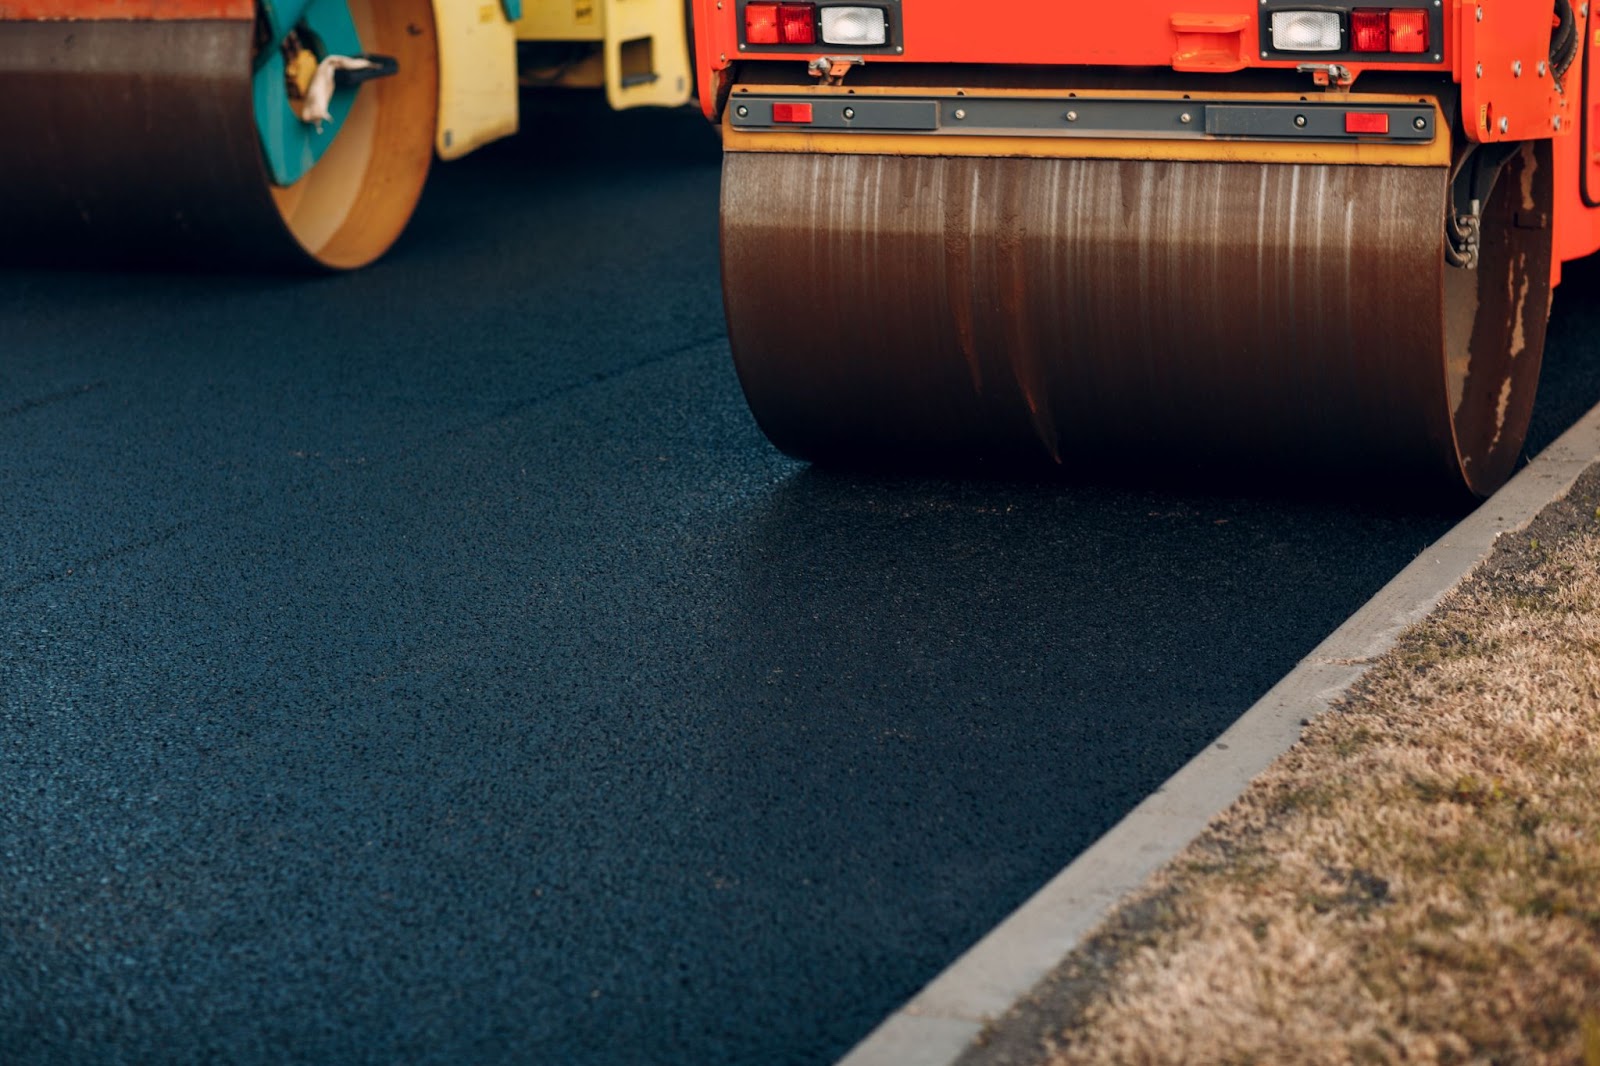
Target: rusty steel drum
{"x": 890, "y": 309}
{"x": 136, "y": 139}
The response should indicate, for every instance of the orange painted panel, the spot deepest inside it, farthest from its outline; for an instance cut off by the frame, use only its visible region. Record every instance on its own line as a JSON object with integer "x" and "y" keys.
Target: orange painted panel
{"x": 1577, "y": 224}
{"x": 1514, "y": 97}
{"x": 1186, "y": 35}
{"x": 1577, "y": 155}
{"x": 1129, "y": 33}
{"x": 132, "y": 10}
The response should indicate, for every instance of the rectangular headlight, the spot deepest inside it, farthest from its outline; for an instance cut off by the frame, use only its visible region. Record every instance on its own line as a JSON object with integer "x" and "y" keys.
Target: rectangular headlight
{"x": 1306, "y": 31}
{"x": 859, "y": 26}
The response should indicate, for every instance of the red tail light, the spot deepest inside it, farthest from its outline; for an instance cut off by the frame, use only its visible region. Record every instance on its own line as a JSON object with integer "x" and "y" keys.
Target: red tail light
{"x": 1383, "y": 29}
{"x": 1369, "y": 30}
{"x": 791, "y": 112}
{"x": 797, "y": 23}
{"x": 1408, "y": 31}
{"x": 761, "y": 24}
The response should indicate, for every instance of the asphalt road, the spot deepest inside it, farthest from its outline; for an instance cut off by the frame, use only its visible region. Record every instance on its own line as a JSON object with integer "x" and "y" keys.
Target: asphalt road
{"x": 436, "y": 664}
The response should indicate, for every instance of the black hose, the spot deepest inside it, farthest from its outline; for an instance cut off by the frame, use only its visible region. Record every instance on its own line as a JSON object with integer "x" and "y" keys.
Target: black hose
{"x": 1563, "y": 38}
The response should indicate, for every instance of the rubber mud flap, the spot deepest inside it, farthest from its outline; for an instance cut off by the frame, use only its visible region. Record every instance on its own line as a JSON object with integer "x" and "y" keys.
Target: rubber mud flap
{"x": 1296, "y": 318}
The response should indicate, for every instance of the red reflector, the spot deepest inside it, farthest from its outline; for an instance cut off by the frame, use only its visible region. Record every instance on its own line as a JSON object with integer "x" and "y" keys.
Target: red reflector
{"x": 761, "y": 24}
{"x": 791, "y": 112}
{"x": 798, "y": 23}
{"x": 1366, "y": 122}
{"x": 1369, "y": 30}
{"x": 1408, "y": 31}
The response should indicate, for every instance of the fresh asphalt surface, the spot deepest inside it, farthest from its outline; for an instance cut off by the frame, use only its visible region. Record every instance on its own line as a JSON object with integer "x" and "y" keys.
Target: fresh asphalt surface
{"x": 436, "y": 664}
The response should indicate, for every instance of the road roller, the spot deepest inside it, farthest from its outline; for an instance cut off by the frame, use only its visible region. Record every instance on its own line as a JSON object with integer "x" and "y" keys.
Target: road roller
{"x": 293, "y": 133}
{"x": 1294, "y": 236}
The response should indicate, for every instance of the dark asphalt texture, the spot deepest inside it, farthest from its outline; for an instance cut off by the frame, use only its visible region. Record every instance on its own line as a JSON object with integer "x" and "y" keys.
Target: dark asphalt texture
{"x": 436, "y": 665}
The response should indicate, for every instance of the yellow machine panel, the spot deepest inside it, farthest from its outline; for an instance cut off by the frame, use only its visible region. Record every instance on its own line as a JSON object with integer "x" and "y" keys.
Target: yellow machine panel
{"x": 477, "y": 75}
{"x": 643, "y": 58}
{"x": 561, "y": 20}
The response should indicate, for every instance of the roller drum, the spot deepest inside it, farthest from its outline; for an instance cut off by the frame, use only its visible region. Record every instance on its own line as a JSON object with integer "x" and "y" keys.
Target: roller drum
{"x": 137, "y": 140}
{"x": 1084, "y": 312}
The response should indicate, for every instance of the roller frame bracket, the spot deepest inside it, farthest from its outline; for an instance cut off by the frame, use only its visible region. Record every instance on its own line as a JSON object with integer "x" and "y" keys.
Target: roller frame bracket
{"x": 1508, "y": 92}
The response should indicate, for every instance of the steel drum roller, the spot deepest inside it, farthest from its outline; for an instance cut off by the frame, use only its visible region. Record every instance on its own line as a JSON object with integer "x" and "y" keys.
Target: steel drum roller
{"x": 138, "y": 138}
{"x": 926, "y": 309}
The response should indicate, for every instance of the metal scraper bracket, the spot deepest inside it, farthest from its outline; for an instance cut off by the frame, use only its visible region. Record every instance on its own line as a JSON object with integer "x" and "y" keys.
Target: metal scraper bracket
{"x": 1071, "y": 116}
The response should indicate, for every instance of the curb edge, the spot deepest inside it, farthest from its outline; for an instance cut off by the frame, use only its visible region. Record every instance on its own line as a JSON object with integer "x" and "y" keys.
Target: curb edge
{"x": 937, "y": 1025}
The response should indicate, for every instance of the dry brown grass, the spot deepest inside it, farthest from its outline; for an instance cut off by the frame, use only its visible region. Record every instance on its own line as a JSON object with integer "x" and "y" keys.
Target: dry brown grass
{"x": 1419, "y": 879}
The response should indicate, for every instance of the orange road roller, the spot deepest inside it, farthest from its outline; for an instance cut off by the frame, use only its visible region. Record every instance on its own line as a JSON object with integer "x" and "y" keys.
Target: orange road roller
{"x": 288, "y": 132}
{"x": 1307, "y": 236}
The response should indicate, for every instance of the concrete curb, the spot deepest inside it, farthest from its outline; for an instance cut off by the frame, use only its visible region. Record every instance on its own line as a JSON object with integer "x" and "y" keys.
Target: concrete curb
{"x": 940, "y": 1022}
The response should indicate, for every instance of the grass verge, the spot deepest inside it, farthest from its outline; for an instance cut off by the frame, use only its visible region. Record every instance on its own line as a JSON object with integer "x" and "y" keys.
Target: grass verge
{"x": 1418, "y": 880}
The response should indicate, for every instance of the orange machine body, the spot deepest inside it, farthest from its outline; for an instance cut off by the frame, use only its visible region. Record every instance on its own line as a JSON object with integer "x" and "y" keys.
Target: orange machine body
{"x": 1578, "y": 154}
{"x": 1490, "y": 55}
{"x": 1216, "y": 35}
